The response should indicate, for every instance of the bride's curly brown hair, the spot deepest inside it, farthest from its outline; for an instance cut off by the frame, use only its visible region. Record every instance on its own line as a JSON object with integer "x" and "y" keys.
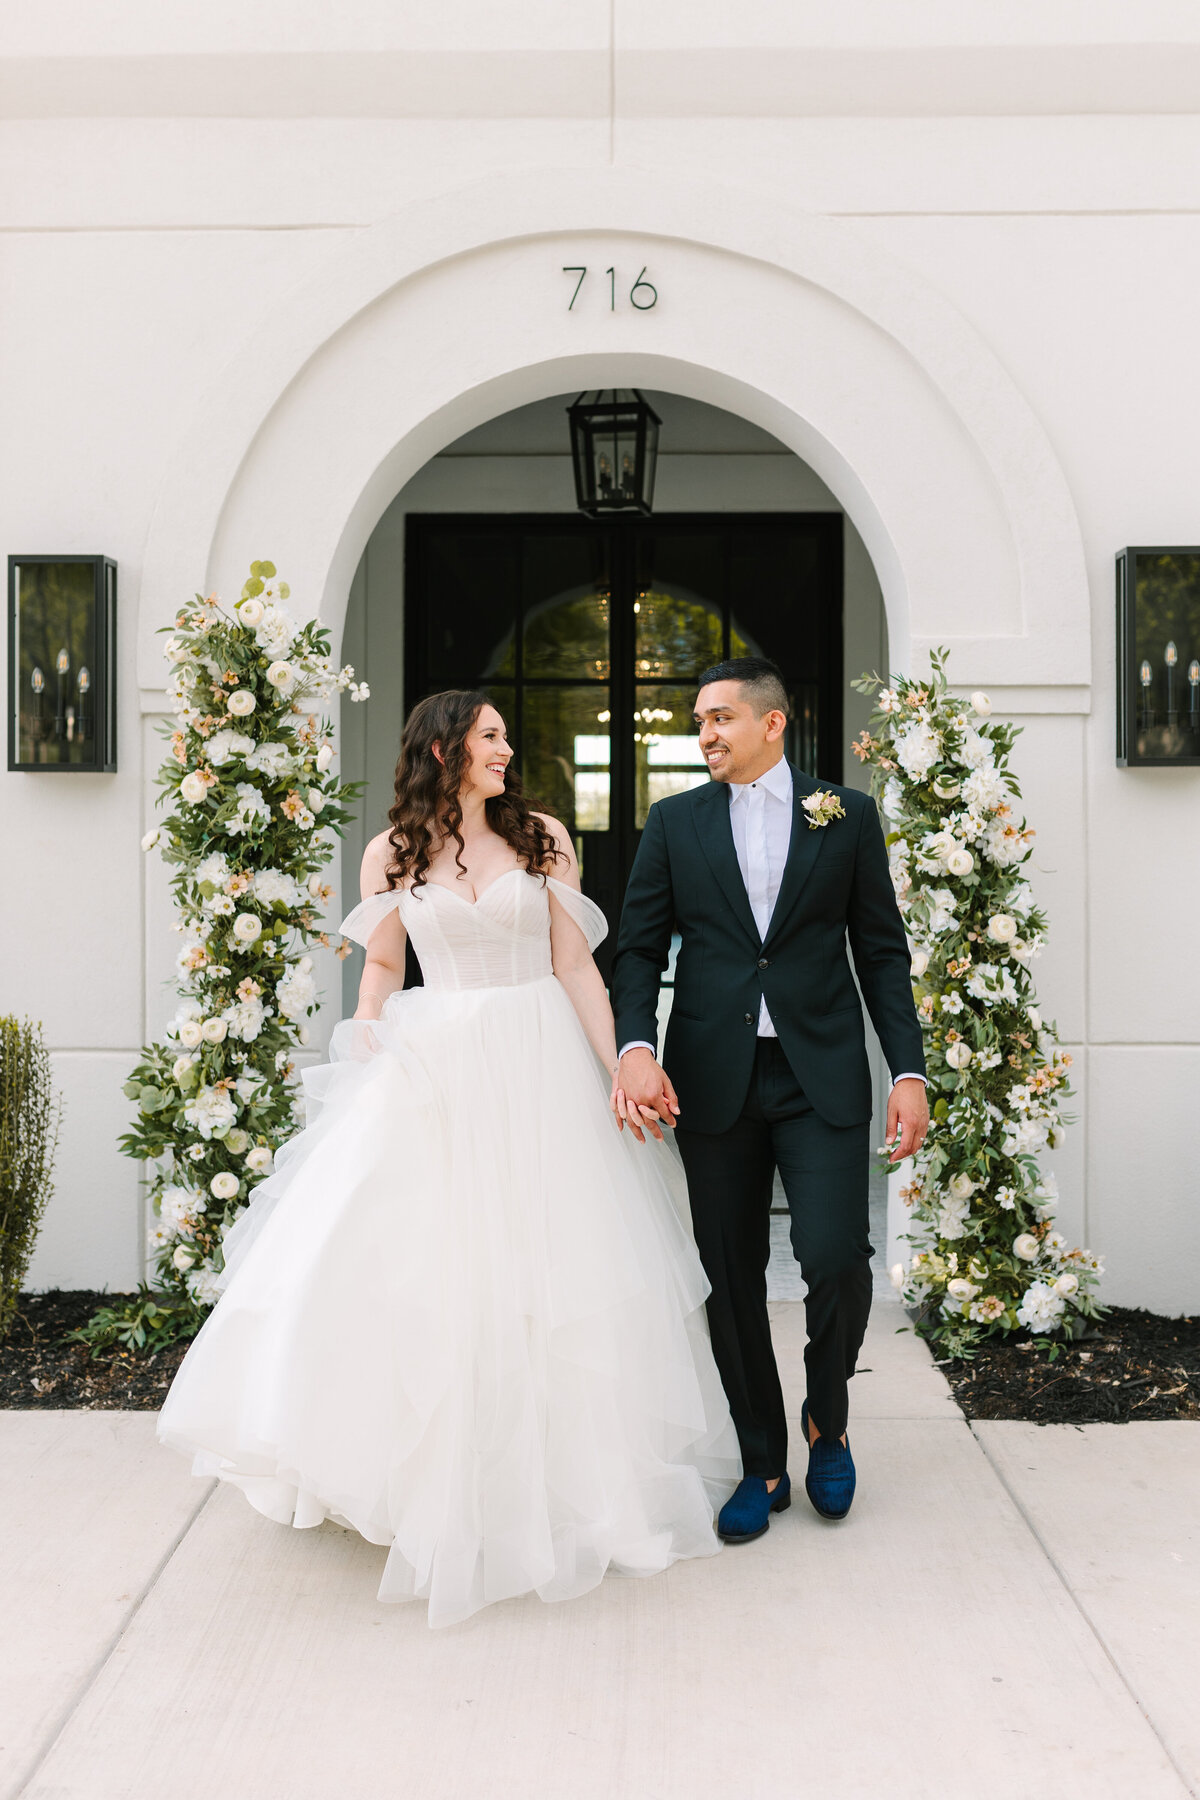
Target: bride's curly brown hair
{"x": 427, "y": 809}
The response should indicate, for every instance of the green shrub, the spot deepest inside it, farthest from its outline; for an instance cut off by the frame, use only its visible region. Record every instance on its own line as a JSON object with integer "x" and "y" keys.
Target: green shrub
{"x": 29, "y": 1120}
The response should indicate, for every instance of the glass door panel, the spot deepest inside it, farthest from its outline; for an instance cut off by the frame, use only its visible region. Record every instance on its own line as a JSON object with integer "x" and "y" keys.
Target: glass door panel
{"x": 565, "y": 754}
{"x": 666, "y": 746}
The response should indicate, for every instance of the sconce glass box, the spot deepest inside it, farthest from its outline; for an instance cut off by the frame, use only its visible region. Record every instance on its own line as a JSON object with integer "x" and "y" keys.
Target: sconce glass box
{"x": 1158, "y": 657}
{"x": 62, "y": 645}
{"x": 614, "y": 452}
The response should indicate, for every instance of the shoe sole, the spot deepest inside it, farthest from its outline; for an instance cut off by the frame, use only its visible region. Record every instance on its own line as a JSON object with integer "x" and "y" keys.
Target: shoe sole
{"x": 748, "y": 1537}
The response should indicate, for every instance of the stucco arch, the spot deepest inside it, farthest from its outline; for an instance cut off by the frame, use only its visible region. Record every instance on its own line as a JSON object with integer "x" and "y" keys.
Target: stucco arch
{"x": 456, "y": 310}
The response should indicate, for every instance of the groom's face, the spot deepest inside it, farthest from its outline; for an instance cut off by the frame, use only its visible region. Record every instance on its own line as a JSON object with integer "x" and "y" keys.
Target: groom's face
{"x": 737, "y": 743}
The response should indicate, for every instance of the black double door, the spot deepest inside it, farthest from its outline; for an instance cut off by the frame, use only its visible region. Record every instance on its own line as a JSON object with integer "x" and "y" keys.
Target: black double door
{"x": 589, "y": 638}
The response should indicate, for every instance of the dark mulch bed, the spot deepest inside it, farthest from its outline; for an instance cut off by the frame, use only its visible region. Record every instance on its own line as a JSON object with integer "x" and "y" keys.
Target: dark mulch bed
{"x": 38, "y": 1370}
{"x": 1132, "y": 1365}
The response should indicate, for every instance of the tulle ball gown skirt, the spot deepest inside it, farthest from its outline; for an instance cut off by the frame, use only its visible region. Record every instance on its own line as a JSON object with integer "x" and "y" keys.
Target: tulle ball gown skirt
{"x": 464, "y": 1317}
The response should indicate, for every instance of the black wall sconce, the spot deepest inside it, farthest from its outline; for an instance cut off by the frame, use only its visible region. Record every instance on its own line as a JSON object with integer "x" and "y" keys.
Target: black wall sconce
{"x": 1158, "y": 657}
{"x": 614, "y": 451}
{"x": 62, "y": 647}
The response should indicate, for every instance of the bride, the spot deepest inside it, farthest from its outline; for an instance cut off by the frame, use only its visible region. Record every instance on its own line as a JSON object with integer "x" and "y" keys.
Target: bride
{"x": 464, "y": 1315}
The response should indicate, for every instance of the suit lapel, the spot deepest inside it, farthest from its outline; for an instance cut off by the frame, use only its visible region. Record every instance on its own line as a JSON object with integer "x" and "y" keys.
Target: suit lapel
{"x": 803, "y": 850}
{"x": 716, "y": 839}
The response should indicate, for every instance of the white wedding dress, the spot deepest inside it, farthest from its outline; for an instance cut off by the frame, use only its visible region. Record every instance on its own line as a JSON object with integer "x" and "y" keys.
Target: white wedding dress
{"x": 464, "y": 1315}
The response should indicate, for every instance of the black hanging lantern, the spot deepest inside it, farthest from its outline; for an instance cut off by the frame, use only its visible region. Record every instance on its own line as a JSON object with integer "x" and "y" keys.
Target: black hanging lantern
{"x": 614, "y": 449}
{"x": 1158, "y": 657}
{"x": 62, "y": 647}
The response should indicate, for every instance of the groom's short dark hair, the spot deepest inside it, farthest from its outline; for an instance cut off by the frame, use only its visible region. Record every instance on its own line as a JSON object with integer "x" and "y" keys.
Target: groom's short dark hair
{"x": 760, "y": 679}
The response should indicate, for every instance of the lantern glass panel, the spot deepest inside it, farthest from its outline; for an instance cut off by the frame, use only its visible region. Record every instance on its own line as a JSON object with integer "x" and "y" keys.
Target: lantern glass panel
{"x": 1161, "y": 661}
{"x": 59, "y": 665}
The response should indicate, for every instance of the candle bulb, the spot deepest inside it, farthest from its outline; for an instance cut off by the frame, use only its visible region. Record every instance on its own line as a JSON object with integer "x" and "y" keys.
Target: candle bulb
{"x": 605, "y": 473}
{"x": 37, "y": 682}
{"x": 84, "y": 682}
{"x": 62, "y": 663}
{"x": 1194, "y": 699}
{"x": 1171, "y": 657}
{"x": 627, "y": 475}
{"x": 1147, "y": 676}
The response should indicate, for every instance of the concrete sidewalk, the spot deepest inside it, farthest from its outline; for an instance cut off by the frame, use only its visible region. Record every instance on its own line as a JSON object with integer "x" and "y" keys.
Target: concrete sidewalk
{"x": 1007, "y": 1612}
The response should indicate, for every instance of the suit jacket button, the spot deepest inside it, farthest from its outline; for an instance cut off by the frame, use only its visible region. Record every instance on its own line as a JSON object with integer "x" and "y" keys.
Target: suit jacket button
{"x": 764, "y": 962}
{"x": 748, "y": 1019}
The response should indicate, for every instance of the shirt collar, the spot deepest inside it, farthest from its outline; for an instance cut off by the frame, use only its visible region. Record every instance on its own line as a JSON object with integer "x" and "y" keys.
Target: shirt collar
{"x": 777, "y": 782}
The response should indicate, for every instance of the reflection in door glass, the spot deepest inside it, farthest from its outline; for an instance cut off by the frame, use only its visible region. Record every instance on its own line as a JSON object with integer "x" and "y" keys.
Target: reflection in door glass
{"x": 565, "y": 754}
{"x": 667, "y": 757}
{"x": 677, "y": 633}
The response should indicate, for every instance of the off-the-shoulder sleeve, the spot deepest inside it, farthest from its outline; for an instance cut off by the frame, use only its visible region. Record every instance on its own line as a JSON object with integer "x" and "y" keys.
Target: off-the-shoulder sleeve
{"x": 584, "y": 912}
{"x": 368, "y": 915}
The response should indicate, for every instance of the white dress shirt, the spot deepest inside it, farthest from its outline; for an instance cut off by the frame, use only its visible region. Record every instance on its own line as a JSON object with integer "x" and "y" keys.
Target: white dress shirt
{"x": 760, "y": 815}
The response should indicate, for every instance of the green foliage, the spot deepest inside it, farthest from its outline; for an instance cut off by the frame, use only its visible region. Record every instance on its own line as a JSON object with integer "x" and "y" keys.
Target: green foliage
{"x": 251, "y": 805}
{"x": 986, "y": 1259}
{"x": 30, "y": 1112}
{"x": 148, "y": 1321}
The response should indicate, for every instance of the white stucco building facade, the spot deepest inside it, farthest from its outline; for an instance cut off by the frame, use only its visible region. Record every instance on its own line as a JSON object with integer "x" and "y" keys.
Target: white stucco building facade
{"x": 273, "y": 279}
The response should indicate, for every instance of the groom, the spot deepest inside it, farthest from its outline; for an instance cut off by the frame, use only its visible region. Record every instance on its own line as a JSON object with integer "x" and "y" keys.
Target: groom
{"x": 765, "y": 1059}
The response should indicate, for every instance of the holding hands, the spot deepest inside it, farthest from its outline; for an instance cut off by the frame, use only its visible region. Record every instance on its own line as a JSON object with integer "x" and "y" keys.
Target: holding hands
{"x": 642, "y": 1095}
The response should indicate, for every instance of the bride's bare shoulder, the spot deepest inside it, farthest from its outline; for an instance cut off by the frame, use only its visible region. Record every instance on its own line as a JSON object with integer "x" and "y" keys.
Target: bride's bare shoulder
{"x": 377, "y": 858}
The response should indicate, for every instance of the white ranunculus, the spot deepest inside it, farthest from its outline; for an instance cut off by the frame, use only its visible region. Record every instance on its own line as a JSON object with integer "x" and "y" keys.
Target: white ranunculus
{"x": 236, "y": 1141}
{"x": 1002, "y": 928}
{"x": 181, "y": 1068}
{"x": 958, "y": 1054}
{"x": 190, "y": 1034}
{"x": 961, "y": 1288}
{"x": 896, "y": 1276}
{"x": 980, "y": 703}
{"x": 193, "y": 788}
{"x": 919, "y": 964}
{"x": 182, "y": 1257}
{"x": 960, "y": 862}
{"x": 945, "y": 789}
{"x": 1066, "y": 1284}
{"x": 247, "y": 927}
{"x": 325, "y": 757}
{"x": 241, "y": 703}
{"x": 214, "y": 1030}
{"x": 260, "y": 1159}
{"x": 282, "y": 676}
{"x": 250, "y": 612}
{"x": 1025, "y": 1246}
{"x": 961, "y": 1186}
{"x": 151, "y": 838}
{"x": 224, "y": 1185}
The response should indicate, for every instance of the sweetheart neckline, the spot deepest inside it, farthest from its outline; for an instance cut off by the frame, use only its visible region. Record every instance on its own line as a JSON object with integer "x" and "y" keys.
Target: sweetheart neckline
{"x": 480, "y": 898}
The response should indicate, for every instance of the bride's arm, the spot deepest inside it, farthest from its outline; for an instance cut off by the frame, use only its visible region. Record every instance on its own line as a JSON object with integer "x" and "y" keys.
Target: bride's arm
{"x": 572, "y": 960}
{"x": 383, "y": 972}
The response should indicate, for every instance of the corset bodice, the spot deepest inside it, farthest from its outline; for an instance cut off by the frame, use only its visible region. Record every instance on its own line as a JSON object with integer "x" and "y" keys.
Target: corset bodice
{"x": 500, "y": 940}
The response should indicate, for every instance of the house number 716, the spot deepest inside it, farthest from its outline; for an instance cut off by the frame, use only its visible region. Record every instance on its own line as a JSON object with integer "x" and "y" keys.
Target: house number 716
{"x": 642, "y": 295}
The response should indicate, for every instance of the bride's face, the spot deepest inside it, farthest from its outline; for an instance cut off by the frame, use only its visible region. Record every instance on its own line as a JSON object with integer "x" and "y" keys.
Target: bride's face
{"x": 489, "y": 755}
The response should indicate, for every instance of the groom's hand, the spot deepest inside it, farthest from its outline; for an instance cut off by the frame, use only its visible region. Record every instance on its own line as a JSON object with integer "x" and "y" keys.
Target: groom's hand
{"x": 643, "y": 1095}
{"x": 907, "y": 1115}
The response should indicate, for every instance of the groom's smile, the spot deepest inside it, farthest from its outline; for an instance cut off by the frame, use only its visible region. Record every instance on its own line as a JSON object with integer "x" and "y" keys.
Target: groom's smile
{"x": 737, "y": 743}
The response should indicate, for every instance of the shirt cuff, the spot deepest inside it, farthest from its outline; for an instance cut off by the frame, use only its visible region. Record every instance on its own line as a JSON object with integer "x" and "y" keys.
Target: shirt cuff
{"x": 637, "y": 1044}
{"x": 909, "y": 1075}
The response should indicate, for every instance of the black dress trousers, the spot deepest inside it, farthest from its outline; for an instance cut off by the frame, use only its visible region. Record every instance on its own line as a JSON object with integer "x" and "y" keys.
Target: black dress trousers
{"x": 824, "y": 1169}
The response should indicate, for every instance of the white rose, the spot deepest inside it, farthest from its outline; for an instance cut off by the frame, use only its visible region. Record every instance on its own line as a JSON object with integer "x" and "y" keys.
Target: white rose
{"x": 981, "y": 704}
{"x": 945, "y": 789}
{"x": 236, "y": 1140}
{"x": 896, "y": 1275}
{"x": 960, "y": 862}
{"x": 213, "y": 1030}
{"x": 193, "y": 788}
{"x": 1002, "y": 928}
{"x": 962, "y": 1187}
{"x": 316, "y": 799}
{"x": 281, "y": 675}
{"x": 151, "y": 838}
{"x": 241, "y": 703}
{"x": 958, "y": 1055}
{"x": 190, "y": 1034}
{"x": 919, "y": 964}
{"x": 225, "y": 1185}
{"x": 182, "y": 1257}
{"x": 324, "y": 757}
{"x": 181, "y": 1068}
{"x": 247, "y": 927}
{"x": 1066, "y": 1284}
{"x": 1025, "y": 1246}
{"x": 260, "y": 1159}
{"x": 250, "y": 612}
{"x": 961, "y": 1289}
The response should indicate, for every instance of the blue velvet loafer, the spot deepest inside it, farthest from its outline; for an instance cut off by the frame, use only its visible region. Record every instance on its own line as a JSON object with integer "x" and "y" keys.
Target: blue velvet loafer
{"x": 747, "y": 1512}
{"x": 829, "y": 1483}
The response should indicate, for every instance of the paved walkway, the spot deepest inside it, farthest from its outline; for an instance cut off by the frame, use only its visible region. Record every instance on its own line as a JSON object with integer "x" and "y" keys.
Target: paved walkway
{"x": 1008, "y": 1612}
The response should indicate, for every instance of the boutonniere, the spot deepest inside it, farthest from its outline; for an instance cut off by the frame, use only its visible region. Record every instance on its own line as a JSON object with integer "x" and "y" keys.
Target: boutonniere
{"x": 822, "y": 809}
